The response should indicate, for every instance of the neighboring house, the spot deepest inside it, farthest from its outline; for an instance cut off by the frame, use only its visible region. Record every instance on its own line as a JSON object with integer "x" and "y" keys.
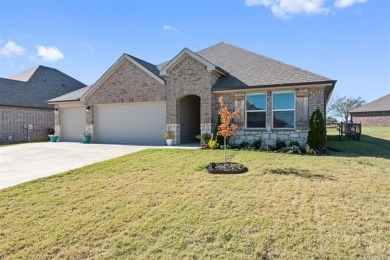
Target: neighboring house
{"x": 134, "y": 101}
{"x": 24, "y": 112}
{"x": 375, "y": 113}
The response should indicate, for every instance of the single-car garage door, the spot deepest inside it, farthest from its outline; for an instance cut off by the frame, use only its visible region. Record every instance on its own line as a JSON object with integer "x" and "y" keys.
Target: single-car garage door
{"x": 130, "y": 123}
{"x": 72, "y": 123}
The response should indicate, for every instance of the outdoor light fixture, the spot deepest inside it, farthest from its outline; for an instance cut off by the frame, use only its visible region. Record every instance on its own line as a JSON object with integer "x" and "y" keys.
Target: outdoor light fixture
{"x": 56, "y": 110}
{"x": 88, "y": 108}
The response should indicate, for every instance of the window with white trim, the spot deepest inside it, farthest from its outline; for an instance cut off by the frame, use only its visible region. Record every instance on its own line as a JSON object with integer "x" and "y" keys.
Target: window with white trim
{"x": 256, "y": 110}
{"x": 283, "y": 110}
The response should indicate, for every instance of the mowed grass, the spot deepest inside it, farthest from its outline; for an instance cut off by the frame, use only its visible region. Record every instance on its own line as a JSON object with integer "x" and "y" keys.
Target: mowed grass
{"x": 374, "y": 141}
{"x": 161, "y": 204}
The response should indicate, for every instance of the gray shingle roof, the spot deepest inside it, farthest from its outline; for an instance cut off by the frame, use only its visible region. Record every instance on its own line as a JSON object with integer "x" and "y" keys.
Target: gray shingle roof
{"x": 249, "y": 69}
{"x": 24, "y": 75}
{"x": 149, "y": 66}
{"x": 245, "y": 69}
{"x": 381, "y": 104}
{"x": 72, "y": 96}
{"x": 33, "y": 87}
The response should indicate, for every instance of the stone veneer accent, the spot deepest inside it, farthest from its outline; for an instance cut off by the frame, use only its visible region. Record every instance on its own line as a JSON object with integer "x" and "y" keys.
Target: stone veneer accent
{"x": 189, "y": 77}
{"x": 127, "y": 84}
{"x": 14, "y": 119}
{"x": 175, "y": 128}
{"x": 380, "y": 118}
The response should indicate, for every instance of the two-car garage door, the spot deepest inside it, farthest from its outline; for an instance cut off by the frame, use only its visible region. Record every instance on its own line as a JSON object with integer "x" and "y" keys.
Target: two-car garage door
{"x": 130, "y": 123}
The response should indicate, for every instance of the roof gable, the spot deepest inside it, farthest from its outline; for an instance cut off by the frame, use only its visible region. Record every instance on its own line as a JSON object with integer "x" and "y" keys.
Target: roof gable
{"x": 210, "y": 66}
{"x": 147, "y": 67}
{"x": 380, "y": 104}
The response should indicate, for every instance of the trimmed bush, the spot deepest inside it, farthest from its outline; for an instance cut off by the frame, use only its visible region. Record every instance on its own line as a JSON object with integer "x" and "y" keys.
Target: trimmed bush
{"x": 316, "y": 138}
{"x": 280, "y": 144}
{"x": 257, "y": 144}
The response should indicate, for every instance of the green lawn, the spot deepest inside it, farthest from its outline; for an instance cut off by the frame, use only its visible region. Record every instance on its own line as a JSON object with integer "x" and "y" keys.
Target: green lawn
{"x": 161, "y": 204}
{"x": 375, "y": 141}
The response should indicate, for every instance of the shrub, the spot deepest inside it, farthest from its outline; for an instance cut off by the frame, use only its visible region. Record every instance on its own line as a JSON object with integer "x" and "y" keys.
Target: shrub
{"x": 204, "y": 138}
{"x": 213, "y": 144}
{"x": 280, "y": 144}
{"x": 316, "y": 138}
{"x": 244, "y": 145}
{"x": 257, "y": 144}
{"x": 292, "y": 149}
{"x": 293, "y": 143}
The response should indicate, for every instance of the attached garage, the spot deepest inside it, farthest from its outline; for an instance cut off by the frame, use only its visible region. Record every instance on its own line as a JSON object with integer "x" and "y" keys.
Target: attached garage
{"x": 72, "y": 123}
{"x": 130, "y": 123}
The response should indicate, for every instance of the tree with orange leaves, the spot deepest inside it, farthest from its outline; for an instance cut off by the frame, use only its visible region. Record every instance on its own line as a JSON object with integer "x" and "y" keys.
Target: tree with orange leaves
{"x": 227, "y": 127}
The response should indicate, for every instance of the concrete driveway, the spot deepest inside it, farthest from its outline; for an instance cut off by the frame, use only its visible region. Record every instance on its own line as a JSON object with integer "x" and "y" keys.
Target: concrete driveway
{"x": 26, "y": 162}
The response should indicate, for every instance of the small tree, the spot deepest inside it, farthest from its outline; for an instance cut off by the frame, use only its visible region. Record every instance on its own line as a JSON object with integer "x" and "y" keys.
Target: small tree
{"x": 342, "y": 106}
{"x": 226, "y": 127}
{"x": 316, "y": 138}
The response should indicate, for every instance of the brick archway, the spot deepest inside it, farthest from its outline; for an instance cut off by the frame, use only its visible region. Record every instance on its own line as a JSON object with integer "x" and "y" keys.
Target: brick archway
{"x": 189, "y": 118}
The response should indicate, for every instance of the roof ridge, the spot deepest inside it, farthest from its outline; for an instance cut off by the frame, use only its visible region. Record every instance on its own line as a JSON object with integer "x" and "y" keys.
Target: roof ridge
{"x": 135, "y": 57}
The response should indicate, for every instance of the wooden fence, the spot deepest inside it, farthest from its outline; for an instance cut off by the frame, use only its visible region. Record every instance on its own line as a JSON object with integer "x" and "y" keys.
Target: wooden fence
{"x": 352, "y": 130}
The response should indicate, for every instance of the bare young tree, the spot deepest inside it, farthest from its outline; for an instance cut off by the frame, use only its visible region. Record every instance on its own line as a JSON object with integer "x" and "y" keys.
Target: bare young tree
{"x": 342, "y": 106}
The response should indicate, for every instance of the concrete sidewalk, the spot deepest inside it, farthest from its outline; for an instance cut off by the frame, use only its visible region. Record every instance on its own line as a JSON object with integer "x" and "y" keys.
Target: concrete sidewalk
{"x": 25, "y": 162}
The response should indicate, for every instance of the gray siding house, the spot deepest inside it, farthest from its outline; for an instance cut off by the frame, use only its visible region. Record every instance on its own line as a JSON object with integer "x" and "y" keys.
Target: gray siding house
{"x": 134, "y": 101}
{"x": 24, "y": 113}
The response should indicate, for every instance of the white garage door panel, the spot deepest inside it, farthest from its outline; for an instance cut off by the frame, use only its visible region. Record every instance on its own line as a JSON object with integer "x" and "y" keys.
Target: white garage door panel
{"x": 133, "y": 123}
{"x": 72, "y": 121}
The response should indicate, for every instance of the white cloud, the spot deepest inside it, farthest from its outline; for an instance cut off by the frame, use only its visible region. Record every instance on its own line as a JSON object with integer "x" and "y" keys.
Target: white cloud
{"x": 287, "y": 8}
{"x": 11, "y": 48}
{"x": 347, "y": 3}
{"x": 50, "y": 53}
{"x": 169, "y": 28}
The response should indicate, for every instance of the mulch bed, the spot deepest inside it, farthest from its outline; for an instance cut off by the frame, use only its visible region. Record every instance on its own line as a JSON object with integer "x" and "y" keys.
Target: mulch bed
{"x": 226, "y": 168}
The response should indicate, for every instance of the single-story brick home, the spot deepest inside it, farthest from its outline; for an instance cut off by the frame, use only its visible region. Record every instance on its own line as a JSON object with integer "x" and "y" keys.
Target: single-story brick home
{"x": 134, "y": 101}
{"x": 24, "y": 113}
{"x": 375, "y": 113}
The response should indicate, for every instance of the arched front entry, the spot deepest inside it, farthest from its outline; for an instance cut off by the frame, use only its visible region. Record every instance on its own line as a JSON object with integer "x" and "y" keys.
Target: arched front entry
{"x": 189, "y": 118}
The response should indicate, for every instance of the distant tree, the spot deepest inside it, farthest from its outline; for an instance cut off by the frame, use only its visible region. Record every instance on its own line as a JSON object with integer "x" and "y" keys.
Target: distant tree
{"x": 227, "y": 128}
{"x": 316, "y": 138}
{"x": 331, "y": 120}
{"x": 342, "y": 106}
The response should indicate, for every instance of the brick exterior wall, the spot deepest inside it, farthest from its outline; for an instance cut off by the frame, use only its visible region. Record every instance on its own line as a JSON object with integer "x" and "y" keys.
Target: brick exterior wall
{"x": 189, "y": 77}
{"x": 380, "y": 118}
{"x": 307, "y": 100}
{"x": 13, "y": 121}
{"x": 127, "y": 84}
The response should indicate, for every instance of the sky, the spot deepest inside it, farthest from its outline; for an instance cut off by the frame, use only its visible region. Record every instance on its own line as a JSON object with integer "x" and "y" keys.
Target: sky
{"x": 345, "y": 40}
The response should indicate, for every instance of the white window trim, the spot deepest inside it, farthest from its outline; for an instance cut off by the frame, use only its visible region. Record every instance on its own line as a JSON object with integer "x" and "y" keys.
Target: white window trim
{"x": 295, "y": 116}
{"x": 254, "y": 111}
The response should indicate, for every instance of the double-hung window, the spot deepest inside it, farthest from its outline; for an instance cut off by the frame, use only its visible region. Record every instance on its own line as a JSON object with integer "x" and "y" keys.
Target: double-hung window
{"x": 256, "y": 110}
{"x": 283, "y": 110}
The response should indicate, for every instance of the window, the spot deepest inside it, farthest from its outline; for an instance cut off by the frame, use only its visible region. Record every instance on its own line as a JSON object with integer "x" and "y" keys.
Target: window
{"x": 283, "y": 110}
{"x": 255, "y": 110}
